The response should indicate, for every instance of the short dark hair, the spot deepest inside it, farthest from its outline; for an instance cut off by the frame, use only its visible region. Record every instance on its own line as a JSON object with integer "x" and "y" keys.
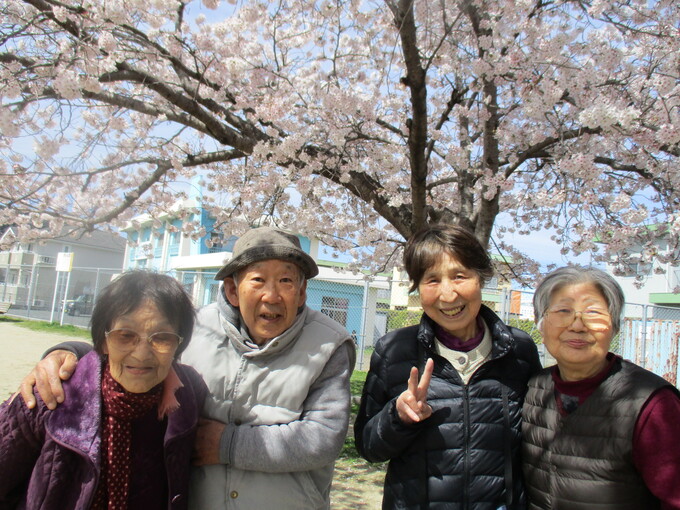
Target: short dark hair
{"x": 132, "y": 289}
{"x": 425, "y": 247}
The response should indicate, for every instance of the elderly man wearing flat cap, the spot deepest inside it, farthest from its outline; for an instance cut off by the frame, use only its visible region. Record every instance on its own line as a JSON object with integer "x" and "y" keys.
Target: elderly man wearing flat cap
{"x": 278, "y": 373}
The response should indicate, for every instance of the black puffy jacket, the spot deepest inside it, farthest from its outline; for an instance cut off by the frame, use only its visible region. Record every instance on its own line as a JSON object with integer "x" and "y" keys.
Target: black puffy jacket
{"x": 467, "y": 454}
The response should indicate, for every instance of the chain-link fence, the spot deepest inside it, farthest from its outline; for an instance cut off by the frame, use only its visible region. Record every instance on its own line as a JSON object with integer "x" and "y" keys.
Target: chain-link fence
{"x": 40, "y": 292}
{"x": 649, "y": 337}
{"x": 367, "y": 307}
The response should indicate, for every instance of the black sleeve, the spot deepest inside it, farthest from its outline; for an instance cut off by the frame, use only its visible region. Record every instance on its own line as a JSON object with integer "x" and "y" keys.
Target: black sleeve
{"x": 527, "y": 350}
{"x": 80, "y": 349}
{"x": 379, "y": 434}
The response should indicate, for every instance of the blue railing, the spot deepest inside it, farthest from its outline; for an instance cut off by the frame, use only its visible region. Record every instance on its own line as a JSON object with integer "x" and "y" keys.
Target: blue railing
{"x": 652, "y": 344}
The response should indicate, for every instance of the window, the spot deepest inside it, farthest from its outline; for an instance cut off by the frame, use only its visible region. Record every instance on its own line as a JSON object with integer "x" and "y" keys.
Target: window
{"x": 219, "y": 244}
{"x": 188, "y": 280}
{"x": 335, "y": 308}
{"x": 158, "y": 244}
{"x": 638, "y": 268}
{"x": 212, "y": 293}
{"x": 173, "y": 242}
{"x": 25, "y": 278}
{"x": 13, "y": 277}
{"x": 216, "y": 243}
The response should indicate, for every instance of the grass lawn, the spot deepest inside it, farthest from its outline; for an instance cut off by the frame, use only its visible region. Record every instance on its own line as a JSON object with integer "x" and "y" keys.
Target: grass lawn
{"x": 48, "y": 327}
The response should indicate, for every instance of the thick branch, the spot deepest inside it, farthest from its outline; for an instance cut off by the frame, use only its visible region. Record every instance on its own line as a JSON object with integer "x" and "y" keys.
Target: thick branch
{"x": 415, "y": 81}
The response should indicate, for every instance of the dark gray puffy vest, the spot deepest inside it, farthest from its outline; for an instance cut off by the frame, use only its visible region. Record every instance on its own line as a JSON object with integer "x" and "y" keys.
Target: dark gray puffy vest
{"x": 585, "y": 460}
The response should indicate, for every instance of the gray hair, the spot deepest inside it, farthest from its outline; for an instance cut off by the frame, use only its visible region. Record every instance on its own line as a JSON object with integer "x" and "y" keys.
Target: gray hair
{"x": 572, "y": 275}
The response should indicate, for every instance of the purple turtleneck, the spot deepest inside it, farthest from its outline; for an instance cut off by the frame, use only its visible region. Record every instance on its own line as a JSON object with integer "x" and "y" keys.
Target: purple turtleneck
{"x": 458, "y": 344}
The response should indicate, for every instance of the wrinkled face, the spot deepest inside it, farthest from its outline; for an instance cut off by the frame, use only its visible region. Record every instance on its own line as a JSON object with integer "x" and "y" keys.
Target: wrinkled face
{"x": 580, "y": 348}
{"x": 268, "y": 296}
{"x": 451, "y": 295}
{"x": 140, "y": 369}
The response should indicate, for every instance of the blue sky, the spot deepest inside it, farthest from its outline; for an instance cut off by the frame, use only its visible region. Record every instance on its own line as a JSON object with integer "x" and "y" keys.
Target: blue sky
{"x": 539, "y": 246}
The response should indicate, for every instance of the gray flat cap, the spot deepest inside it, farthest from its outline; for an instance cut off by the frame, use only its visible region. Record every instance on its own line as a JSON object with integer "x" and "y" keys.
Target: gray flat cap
{"x": 265, "y": 243}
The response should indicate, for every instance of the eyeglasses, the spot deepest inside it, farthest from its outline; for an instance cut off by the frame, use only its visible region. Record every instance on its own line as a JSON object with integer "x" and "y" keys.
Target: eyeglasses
{"x": 594, "y": 320}
{"x": 126, "y": 340}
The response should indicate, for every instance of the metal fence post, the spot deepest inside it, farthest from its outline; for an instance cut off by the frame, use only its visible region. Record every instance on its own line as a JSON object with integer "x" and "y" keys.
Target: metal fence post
{"x": 96, "y": 284}
{"x": 56, "y": 292}
{"x": 4, "y": 288}
{"x": 505, "y": 304}
{"x": 63, "y": 301}
{"x": 364, "y": 312}
{"x": 643, "y": 342}
{"x": 31, "y": 290}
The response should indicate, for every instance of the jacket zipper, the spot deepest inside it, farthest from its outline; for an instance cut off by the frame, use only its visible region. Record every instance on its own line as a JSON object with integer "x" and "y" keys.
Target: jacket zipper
{"x": 466, "y": 435}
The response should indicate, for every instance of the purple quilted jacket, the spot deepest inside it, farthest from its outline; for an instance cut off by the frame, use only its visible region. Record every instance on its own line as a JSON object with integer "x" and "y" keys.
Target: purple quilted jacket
{"x": 50, "y": 460}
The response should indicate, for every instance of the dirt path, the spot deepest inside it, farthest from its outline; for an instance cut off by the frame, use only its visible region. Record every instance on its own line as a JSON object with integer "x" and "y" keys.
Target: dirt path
{"x": 20, "y": 349}
{"x": 357, "y": 485}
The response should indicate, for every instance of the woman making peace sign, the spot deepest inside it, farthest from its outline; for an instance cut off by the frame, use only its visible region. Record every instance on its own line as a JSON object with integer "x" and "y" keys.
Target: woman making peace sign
{"x": 452, "y": 435}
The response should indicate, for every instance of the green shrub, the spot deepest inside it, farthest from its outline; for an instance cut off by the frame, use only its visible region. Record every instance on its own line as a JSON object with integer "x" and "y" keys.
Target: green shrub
{"x": 401, "y": 318}
{"x": 528, "y": 326}
{"x": 356, "y": 382}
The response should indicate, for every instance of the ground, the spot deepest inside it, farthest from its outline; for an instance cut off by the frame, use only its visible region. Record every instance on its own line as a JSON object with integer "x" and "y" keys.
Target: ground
{"x": 357, "y": 485}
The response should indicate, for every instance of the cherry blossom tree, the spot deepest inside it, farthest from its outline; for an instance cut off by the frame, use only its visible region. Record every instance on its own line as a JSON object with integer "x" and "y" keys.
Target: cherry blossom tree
{"x": 354, "y": 121}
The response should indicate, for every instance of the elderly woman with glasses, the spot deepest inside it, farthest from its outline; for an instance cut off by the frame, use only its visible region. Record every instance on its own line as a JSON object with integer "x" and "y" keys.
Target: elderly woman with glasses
{"x": 598, "y": 431}
{"x": 123, "y": 436}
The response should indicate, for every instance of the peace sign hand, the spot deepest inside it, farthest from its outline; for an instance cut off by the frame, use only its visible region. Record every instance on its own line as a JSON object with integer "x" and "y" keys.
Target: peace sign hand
{"x": 412, "y": 406}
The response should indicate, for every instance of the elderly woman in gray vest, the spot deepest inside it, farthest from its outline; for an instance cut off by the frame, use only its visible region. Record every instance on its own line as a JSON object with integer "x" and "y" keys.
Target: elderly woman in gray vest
{"x": 598, "y": 431}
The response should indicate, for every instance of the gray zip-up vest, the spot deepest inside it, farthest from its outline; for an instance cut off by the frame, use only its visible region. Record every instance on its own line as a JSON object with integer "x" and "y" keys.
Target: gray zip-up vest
{"x": 585, "y": 460}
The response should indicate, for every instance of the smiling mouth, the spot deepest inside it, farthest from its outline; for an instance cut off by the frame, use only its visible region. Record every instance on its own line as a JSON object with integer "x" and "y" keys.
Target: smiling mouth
{"x": 270, "y": 316}
{"x": 452, "y": 312}
{"x": 138, "y": 370}
{"x": 577, "y": 343}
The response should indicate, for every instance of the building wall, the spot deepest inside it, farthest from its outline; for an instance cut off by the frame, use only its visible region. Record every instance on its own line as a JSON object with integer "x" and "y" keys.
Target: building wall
{"x": 339, "y": 301}
{"x": 656, "y": 278}
{"x": 34, "y": 282}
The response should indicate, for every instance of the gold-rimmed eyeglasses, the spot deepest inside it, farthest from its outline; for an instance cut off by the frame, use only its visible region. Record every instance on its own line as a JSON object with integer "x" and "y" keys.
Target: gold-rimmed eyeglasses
{"x": 162, "y": 342}
{"x": 593, "y": 319}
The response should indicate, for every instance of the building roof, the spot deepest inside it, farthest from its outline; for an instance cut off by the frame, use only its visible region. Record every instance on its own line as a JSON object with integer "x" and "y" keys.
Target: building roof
{"x": 97, "y": 238}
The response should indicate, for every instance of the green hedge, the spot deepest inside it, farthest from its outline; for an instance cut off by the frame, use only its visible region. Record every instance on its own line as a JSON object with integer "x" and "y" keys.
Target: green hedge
{"x": 401, "y": 318}
{"x": 528, "y": 326}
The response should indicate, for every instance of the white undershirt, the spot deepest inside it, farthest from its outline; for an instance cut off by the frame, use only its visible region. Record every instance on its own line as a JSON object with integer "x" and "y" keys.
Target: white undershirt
{"x": 466, "y": 363}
